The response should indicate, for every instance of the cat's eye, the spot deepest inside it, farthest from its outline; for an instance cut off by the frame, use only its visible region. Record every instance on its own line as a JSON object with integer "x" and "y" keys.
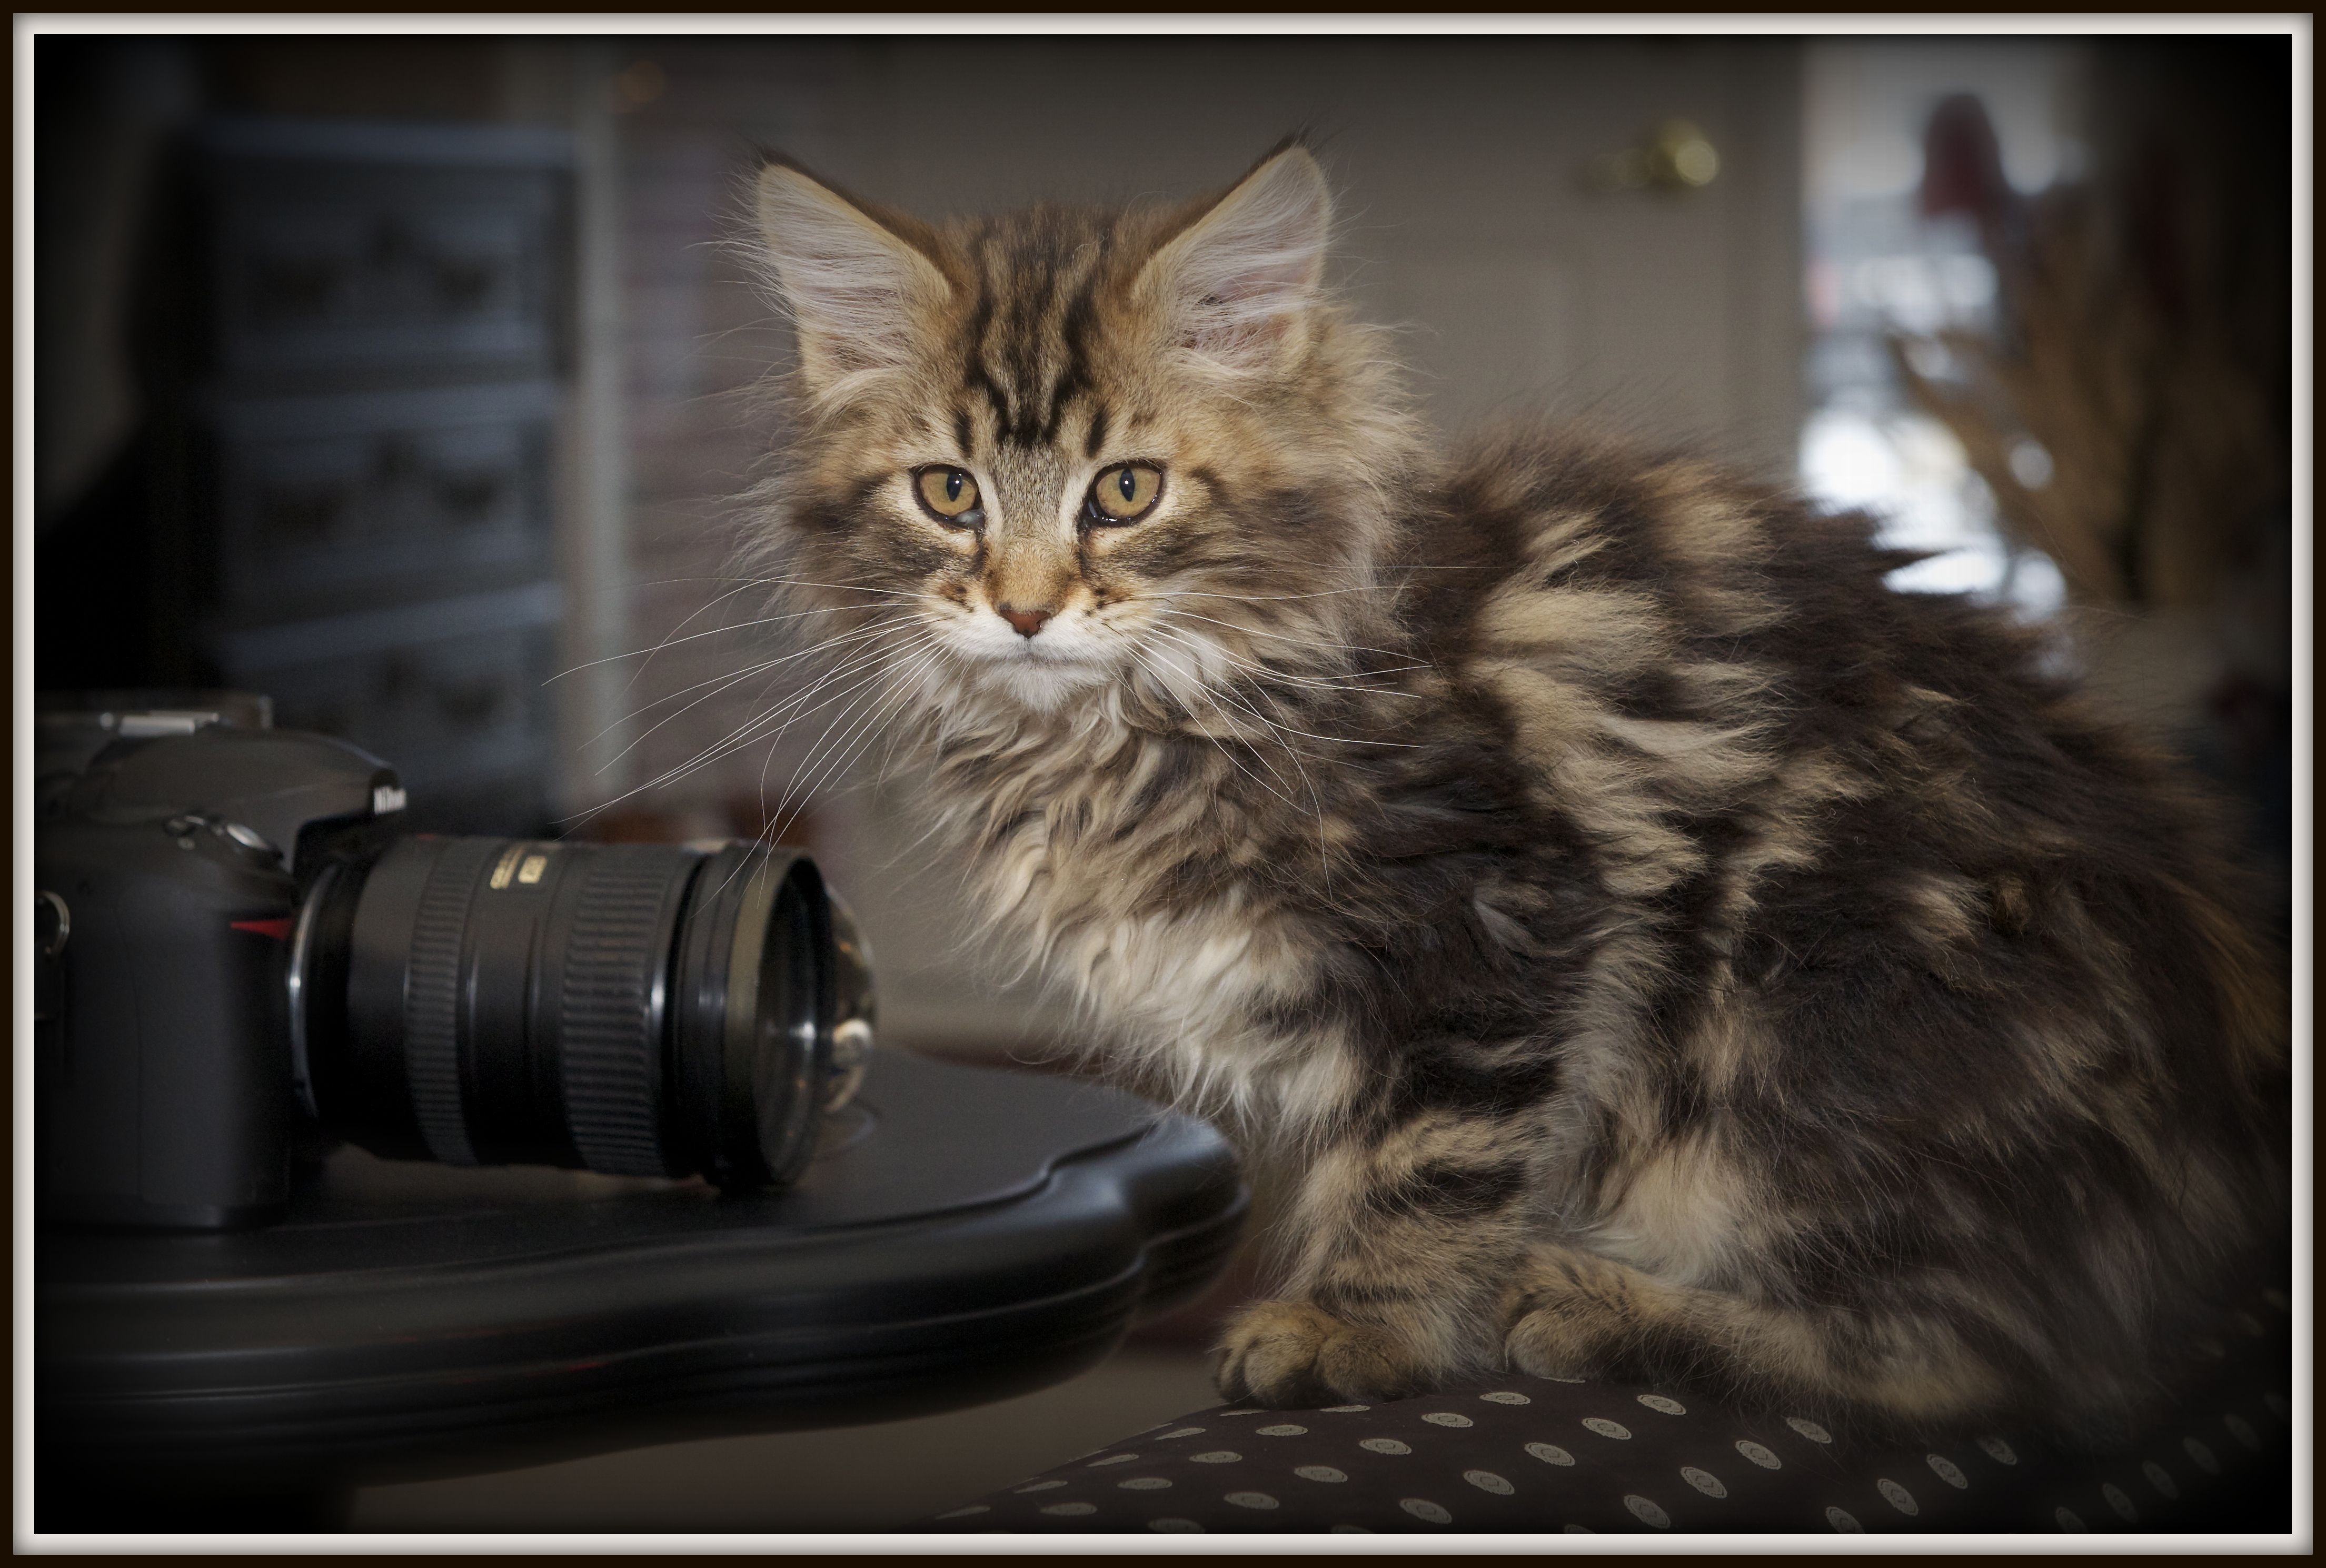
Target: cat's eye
{"x": 1125, "y": 493}
{"x": 949, "y": 496}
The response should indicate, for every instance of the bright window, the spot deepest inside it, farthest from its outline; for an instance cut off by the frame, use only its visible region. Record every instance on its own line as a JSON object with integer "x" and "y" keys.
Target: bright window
{"x": 1879, "y": 272}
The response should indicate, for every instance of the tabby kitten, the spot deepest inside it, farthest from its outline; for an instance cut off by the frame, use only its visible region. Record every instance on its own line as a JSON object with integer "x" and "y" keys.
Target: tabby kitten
{"x": 1669, "y": 952}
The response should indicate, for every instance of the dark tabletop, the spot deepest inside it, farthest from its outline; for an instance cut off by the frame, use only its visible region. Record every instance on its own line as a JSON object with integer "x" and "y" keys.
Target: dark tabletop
{"x": 965, "y": 1234}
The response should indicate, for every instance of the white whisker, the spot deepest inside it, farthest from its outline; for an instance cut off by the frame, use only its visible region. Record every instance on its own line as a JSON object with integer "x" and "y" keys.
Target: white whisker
{"x": 742, "y": 735}
{"x": 1309, "y": 641}
{"x": 721, "y": 683}
{"x": 862, "y": 732}
{"x": 676, "y": 641}
{"x": 1331, "y": 740}
{"x": 1331, "y": 684}
{"x": 1198, "y": 685}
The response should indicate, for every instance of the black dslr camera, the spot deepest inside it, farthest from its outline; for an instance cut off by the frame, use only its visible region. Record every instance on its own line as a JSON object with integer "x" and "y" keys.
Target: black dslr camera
{"x": 238, "y": 954}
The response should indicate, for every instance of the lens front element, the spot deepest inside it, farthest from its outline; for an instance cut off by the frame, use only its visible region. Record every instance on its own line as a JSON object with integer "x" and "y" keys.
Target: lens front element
{"x": 752, "y": 1035}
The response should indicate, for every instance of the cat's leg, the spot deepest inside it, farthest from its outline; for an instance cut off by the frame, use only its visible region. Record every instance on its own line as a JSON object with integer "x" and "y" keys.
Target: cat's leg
{"x": 1572, "y": 1314}
{"x": 1405, "y": 1238}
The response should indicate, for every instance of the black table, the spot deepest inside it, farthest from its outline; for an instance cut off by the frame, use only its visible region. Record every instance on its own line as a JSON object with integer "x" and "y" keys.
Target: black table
{"x": 965, "y": 1234}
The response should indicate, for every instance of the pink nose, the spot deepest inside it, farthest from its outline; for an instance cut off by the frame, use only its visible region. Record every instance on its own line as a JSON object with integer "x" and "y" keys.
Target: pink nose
{"x": 1027, "y": 622}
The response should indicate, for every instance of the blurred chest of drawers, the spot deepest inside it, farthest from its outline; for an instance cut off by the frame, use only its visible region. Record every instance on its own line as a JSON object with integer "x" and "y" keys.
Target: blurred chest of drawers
{"x": 371, "y": 424}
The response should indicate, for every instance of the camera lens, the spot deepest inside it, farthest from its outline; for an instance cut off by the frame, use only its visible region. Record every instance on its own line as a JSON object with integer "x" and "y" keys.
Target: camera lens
{"x": 634, "y": 1009}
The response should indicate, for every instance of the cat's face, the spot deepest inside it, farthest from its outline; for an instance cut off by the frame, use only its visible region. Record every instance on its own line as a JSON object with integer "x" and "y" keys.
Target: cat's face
{"x": 1066, "y": 453}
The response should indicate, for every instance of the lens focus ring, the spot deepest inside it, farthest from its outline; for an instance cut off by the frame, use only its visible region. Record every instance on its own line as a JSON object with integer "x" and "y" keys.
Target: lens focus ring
{"x": 609, "y": 1023}
{"x": 432, "y": 1042}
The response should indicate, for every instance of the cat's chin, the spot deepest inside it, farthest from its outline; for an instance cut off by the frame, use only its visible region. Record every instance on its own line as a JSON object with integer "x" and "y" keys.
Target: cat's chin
{"x": 1043, "y": 684}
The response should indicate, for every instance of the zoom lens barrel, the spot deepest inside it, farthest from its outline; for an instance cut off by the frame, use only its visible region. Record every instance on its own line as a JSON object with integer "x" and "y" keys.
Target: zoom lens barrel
{"x": 638, "y": 1010}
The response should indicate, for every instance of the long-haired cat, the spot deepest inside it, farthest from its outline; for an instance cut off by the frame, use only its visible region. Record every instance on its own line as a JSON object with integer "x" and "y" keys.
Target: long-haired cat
{"x": 1669, "y": 951}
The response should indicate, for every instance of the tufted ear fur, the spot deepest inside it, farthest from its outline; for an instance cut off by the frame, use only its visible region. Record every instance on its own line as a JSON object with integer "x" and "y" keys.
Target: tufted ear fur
{"x": 1239, "y": 281}
{"x": 854, "y": 284}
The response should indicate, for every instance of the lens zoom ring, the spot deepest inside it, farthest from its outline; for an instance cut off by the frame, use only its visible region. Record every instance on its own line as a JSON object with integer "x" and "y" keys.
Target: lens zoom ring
{"x": 431, "y": 999}
{"x": 611, "y": 1051}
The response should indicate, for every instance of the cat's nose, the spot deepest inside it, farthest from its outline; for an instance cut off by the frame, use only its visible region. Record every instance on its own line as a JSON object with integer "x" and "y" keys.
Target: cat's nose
{"x": 1027, "y": 622}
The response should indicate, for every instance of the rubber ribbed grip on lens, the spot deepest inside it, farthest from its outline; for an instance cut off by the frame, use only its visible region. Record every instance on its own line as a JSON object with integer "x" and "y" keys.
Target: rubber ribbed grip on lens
{"x": 608, "y": 1028}
{"x": 431, "y": 999}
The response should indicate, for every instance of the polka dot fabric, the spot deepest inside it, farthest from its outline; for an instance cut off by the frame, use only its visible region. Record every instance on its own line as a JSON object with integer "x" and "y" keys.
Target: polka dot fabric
{"x": 1525, "y": 1455}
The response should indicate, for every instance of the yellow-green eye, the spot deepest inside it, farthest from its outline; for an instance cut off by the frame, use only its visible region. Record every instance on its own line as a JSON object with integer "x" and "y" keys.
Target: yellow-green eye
{"x": 1126, "y": 492}
{"x": 949, "y": 493}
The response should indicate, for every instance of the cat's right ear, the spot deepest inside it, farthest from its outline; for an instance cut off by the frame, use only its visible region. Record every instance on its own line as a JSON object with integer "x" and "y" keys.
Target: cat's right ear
{"x": 856, "y": 287}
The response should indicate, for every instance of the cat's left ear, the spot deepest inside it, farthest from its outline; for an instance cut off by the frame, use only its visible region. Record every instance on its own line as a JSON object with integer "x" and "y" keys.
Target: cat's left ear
{"x": 858, "y": 285}
{"x": 1238, "y": 283}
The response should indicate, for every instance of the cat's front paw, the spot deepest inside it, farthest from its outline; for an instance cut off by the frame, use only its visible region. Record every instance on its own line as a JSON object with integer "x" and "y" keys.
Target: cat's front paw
{"x": 1567, "y": 1312}
{"x": 1549, "y": 1342}
{"x": 1289, "y": 1354}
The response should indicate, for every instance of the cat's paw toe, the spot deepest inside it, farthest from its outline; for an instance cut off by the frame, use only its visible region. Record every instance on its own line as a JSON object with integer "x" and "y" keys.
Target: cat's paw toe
{"x": 1357, "y": 1364}
{"x": 1289, "y": 1354}
{"x": 1560, "y": 1317}
{"x": 1549, "y": 1343}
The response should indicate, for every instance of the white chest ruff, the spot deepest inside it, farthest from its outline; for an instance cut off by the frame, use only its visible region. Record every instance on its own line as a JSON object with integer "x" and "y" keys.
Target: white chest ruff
{"x": 1193, "y": 982}
{"x": 1198, "y": 997}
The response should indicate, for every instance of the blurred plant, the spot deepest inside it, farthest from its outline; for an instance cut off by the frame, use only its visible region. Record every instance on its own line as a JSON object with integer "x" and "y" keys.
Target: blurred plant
{"x": 2111, "y": 412}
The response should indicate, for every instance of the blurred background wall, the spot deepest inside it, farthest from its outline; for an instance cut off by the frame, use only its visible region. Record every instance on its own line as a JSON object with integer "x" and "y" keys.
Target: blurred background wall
{"x": 413, "y": 379}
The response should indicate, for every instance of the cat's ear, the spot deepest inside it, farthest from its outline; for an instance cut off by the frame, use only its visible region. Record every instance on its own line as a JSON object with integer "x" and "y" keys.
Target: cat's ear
{"x": 857, "y": 286}
{"x": 1237, "y": 284}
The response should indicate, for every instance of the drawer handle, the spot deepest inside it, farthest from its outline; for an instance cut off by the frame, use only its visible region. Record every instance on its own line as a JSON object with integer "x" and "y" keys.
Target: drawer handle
{"x": 469, "y": 705}
{"x": 292, "y": 288}
{"x": 399, "y": 677}
{"x": 395, "y": 460}
{"x": 465, "y": 285}
{"x": 469, "y": 499}
{"x": 302, "y": 517}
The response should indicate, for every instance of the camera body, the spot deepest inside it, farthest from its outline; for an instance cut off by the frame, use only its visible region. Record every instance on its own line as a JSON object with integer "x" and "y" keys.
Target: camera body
{"x": 239, "y": 956}
{"x": 165, "y": 904}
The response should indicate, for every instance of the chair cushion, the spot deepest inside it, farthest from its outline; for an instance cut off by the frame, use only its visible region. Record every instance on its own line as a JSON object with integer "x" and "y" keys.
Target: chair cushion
{"x": 1531, "y": 1454}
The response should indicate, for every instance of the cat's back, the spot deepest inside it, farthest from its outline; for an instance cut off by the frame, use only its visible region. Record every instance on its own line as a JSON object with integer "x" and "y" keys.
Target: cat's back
{"x": 1721, "y": 634}
{"x": 1823, "y": 791}
{"x": 1676, "y": 652}
{"x": 1542, "y": 535}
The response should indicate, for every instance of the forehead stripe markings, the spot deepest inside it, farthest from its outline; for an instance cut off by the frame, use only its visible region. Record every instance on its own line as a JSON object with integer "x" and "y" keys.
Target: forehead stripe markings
{"x": 1034, "y": 329}
{"x": 1097, "y": 431}
{"x": 978, "y": 379}
{"x": 1017, "y": 330}
{"x": 1000, "y": 344}
{"x": 1074, "y": 379}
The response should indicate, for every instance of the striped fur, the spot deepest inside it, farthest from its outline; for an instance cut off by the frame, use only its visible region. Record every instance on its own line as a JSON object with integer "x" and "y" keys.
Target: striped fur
{"x": 1668, "y": 950}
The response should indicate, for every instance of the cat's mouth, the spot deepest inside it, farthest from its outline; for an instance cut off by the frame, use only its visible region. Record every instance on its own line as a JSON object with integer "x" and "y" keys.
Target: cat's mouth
{"x": 1045, "y": 684}
{"x": 1054, "y": 646}
{"x": 1061, "y": 660}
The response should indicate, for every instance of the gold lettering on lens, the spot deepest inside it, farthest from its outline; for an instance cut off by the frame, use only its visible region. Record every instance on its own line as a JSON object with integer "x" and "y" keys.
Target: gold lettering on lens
{"x": 506, "y": 866}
